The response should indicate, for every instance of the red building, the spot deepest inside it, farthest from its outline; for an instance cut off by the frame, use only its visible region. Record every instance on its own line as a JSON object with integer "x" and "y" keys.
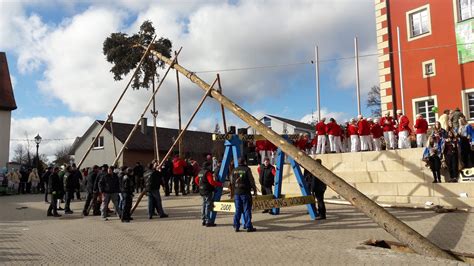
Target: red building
{"x": 436, "y": 40}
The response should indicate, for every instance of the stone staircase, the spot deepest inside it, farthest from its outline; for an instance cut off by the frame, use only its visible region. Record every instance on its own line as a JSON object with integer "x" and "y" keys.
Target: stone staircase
{"x": 396, "y": 177}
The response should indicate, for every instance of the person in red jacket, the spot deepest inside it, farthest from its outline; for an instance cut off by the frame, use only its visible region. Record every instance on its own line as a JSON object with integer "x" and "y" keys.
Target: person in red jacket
{"x": 321, "y": 132}
{"x": 352, "y": 130}
{"x": 388, "y": 124}
{"x": 371, "y": 139}
{"x": 403, "y": 130}
{"x": 421, "y": 126}
{"x": 332, "y": 132}
{"x": 364, "y": 133}
{"x": 261, "y": 148}
{"x": 178, "y": 174}
{"x": 377, "y": 134}
{"x": 205, "y": 181}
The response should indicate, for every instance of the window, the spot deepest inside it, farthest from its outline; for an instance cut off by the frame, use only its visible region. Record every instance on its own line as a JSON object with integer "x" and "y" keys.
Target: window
{"x": 424, "y": 107}
{"x": 470, "y": 104}
{"x": 466, "y": 9}
{"x": 418, "y": 22}
{"x": 99, "y": 143}
{"x": 429, "y": 68}
{"x": 268, "y": 122}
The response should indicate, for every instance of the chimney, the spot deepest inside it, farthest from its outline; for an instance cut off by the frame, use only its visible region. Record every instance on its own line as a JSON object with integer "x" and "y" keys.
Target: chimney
{"x": 143, "y": 125}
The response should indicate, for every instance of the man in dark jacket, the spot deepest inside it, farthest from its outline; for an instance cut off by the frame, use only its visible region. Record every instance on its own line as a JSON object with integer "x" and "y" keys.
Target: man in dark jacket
{"x": 109, "y": 185}
{"x": 45, "y": 178}
{"x": 127, "y": 188}
{"x": 92, "y": 192}
{"x": 266, "y": 173}
{"x": 78, "y": 180}
{"x": 55, "y": 188}
{"x": 69, "y": 187}
{"x": 205, "y": 181}
{"x": 317, "y": 190}
{"x": 167, "y": 172}
{"x": 138, "y": 172}
{"x": 242, "y": 183}
{"x": 153, "y": 180}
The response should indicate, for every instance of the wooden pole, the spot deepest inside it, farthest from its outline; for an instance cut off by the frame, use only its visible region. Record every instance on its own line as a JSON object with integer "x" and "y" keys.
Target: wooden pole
{"x": 178, "y": 87}
{"x": 180, "y": 136}
{"x": 111, "y": 121}
{"x": 386, "y": 220}
{"x": 117, "y": 103}
{"x": 154, "y": 112}
{"x": 143, "y": 113}
{"x": 222, "y": 106}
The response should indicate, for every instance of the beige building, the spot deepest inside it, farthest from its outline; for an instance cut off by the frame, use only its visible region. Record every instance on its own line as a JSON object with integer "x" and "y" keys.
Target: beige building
{"x": 140, "y": 149}
{"x": 7, "y": 105}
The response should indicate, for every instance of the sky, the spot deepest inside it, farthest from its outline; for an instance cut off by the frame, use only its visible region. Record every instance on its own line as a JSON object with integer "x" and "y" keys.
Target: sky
{"x": 62, "y": 82}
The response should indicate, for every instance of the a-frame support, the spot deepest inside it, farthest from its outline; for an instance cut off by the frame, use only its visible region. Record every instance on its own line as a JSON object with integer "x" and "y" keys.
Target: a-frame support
{"x": 299, "y": 178}
{"x": 231, "y": 153}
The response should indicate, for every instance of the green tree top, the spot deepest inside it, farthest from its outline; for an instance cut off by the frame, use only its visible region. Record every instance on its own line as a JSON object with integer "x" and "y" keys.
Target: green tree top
{"x": 125, "y": 52}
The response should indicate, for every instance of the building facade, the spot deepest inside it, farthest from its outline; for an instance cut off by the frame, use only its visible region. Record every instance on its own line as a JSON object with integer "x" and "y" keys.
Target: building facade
{"x": 426, "y": 56}
{"x": 7, "y": 105}
{"x": 140, "y": 148}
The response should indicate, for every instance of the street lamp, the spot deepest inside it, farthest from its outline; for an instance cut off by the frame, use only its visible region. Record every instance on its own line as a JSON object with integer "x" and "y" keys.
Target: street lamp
{"x": 37, "y": 141}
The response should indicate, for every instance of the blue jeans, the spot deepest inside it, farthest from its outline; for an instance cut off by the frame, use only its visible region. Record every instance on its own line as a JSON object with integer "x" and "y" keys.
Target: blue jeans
{"x": 154, "y": 201}
{"x": 207, "y": 202}
{"x": 243, "y": 205}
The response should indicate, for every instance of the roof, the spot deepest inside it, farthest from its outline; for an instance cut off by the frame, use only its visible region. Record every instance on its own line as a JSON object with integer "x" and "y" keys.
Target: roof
{"x": 7, "y": 99}
{"x": 297, "y": 124}
{"x": 200, "y": 141}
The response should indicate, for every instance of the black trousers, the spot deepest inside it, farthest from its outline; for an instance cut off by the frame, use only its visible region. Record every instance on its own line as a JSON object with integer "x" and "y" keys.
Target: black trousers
{"x": 92, "y": 198}
{"x": 465, "y": 152}
{"x": 178, "y": 184}
{"x": 53, "y": 206}
{"x": 127, "y": 207}
{"x": 319, "y": 195}
{"x": 139, "y": 183}
{"x": 166, "y": 185}
{"x": 46, "y": 192}
{"x": 69, "y": 197}
{"x": 452, "y": 162}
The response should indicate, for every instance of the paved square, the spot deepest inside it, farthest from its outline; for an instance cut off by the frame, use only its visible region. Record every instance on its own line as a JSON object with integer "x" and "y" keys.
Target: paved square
{"x": 27, "y": 236}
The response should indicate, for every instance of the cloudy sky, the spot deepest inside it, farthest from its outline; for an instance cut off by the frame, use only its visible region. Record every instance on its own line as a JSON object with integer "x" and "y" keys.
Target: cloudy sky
{"x": 62, "y": 82}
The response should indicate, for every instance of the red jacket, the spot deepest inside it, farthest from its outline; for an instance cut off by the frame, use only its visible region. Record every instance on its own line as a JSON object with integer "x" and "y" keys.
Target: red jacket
{"x": 403, "y": 123}
{"x": 376, "y": 131}
{"x": 178, "y": 166}
{"x": 260, "y": 145}
{"x": 352, "y": 130}
{"x": 337, "y": 130}
{"x": 332, "y": 128}
{"x": 364, "y": 127}
{"x": 421, "y": 126}
{"x": 387, "y": 123}
{"x": 314, "y": 141}
{"x": 321, "y": 128}
{"x": 302, "y": 143}
{"x": 210, "y": 179}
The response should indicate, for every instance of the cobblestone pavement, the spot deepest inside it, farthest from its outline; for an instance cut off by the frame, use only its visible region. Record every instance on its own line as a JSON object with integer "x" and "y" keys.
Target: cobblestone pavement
{"x": 27, "y": 236}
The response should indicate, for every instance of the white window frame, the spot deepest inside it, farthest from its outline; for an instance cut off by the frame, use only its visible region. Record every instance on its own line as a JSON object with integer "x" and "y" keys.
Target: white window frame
{"x": 264, "y": 122}
{"x": 465, "y": 105}
{"x": 408, "y": 22}
{"x": 427, "y": 98}
{"x": 98, "y": 145}
{"x": 457, "y": 11}
{"x": 423, "y": 68}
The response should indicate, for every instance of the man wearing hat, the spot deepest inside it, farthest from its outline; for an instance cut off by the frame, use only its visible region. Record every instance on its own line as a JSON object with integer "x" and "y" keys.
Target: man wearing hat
{"x": 421, "y": 126}
{"x": 321, "y": 132}
{"x": 388, "y": 124}
{"x": 205, "y": 181}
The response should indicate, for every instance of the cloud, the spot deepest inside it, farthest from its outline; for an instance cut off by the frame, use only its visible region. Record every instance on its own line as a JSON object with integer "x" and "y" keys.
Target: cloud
{"x": 58, "y": 132}
{"x": 340, "y": 117}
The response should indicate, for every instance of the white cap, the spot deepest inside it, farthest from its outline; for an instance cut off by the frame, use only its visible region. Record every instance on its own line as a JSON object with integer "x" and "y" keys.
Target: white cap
{"x": 399, "y": 111}
{"x": 376, "y": 120}
{"x": 359, "y": 117}
{"x": 369, "y": 119}
{"x": 419, "y": 115}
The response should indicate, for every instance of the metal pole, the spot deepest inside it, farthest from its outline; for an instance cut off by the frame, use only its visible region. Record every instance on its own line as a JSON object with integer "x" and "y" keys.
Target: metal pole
{"x": 318, "y": 96}
{"x": 178, "y": 139}
{"x": 386, "y": 220}
{"x": 400, "y": 70}
{"x": 356, "y": 47}
{"x": 117, "y": 103}
{"x": 143, "y": 113}
{"x": 37, "y": 156}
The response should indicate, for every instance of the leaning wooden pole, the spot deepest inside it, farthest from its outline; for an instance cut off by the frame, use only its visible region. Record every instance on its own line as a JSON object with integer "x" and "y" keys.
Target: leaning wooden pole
{"x": 178, "y": 87}
{"x": 117, "y": 103}
{"x": 222, "y": 106}
{"x": 130, "y": 135}
{"x": 177, "y": 141}
{"x": 387, "y": 221}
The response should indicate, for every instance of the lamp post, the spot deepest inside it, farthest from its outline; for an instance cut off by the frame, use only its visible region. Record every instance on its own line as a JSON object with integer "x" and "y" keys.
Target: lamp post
{"x": 37, "y": 141}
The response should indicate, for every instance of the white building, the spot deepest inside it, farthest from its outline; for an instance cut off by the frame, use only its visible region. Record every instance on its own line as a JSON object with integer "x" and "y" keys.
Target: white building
{"x": 7, "y": 105}
{"x": 287, "y": 126}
